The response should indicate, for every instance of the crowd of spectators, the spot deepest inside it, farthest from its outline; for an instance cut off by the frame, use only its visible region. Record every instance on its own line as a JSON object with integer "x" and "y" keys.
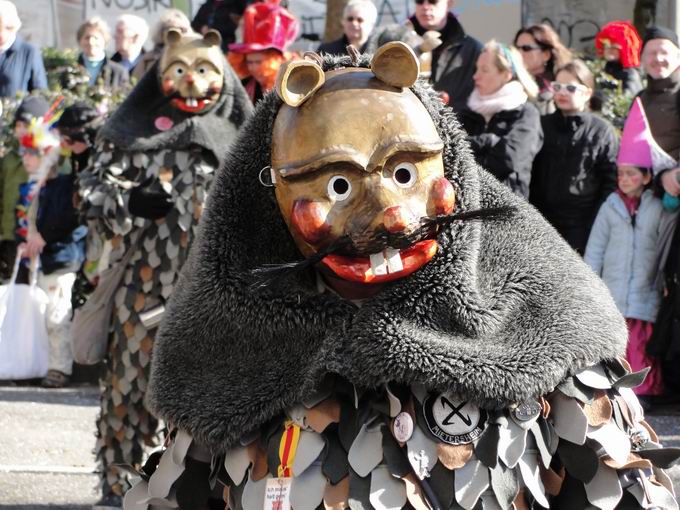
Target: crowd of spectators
{"x": 529, "y": 110}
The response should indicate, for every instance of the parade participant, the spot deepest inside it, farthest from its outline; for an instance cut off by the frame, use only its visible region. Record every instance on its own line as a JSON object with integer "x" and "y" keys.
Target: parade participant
{"x": 382, "y": 324}
{"x": 12, "y": 175}
{"x": 268, "y": 30}
{"x": 504, "y": 128}
{"x": 575, "y": 170}
{"x": 358, "y": 21}
{"x": 47, "y": 227}
{"x": 619, "y": 44}
{"x": 153, "y": 165}
{"x": 78, "y": 126}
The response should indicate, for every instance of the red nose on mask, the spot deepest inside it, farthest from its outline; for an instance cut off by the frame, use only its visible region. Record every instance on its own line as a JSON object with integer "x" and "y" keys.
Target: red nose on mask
{"x": 443, "y": 196}
{"x": 309, "y": 219}
{"x": 396, "y": 219}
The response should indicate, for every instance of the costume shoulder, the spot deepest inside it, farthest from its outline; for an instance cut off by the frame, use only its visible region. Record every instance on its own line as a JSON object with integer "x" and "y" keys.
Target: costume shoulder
{"x": 504, "y": 311}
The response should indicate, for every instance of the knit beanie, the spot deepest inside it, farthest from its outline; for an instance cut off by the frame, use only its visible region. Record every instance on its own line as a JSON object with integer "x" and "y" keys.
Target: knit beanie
{"x": 660, "y": 33}
{"x": 32, "y": 107}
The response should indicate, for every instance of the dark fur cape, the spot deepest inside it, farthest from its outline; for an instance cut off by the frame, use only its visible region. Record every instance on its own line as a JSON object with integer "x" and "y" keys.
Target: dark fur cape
{"x": 132, "y": 128}
{"x": 503, "y": 312}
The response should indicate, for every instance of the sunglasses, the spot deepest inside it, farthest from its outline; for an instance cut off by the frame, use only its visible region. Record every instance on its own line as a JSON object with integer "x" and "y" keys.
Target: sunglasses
{"x": 526, "y": 48}
{"x": 571, "y": 87}
{"x": 431, "y": 2}
{"x": 352, "y": 19}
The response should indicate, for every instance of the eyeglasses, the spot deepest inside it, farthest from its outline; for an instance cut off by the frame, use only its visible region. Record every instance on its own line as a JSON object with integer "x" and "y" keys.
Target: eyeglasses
{"x": 571, "y": 87}
{"x": 431, "y": 2}
{"x": 526, "y": 48}
{"x": 352, "y": 19}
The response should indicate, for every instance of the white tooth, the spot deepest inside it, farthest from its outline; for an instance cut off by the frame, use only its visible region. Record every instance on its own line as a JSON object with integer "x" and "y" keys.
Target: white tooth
{"x": 378, "y": 264}
{"x": 394, "y": 260}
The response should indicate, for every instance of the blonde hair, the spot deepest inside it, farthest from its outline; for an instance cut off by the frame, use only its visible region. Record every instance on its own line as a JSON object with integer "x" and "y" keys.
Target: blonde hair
{"x": 98, "y": 24}
{"x": 509, "y": 59}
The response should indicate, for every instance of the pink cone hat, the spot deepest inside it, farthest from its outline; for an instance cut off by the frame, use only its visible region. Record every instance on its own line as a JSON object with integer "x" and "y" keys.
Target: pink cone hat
{"x": 638, "y": 147}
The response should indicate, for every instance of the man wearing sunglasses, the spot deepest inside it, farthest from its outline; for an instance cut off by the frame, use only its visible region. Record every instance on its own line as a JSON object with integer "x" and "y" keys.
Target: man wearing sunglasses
{"x": 453, "y": 62}
{"x": 358, "y": 21}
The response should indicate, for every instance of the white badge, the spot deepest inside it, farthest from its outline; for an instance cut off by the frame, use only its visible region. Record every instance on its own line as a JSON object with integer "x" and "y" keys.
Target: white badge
{"x": 402, "y": 428}
{"x": 453, "y": 420}
{"x": 277, "y": 494}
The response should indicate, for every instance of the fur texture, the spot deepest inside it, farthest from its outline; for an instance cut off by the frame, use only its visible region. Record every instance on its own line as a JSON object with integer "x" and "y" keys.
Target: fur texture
{"x": 503, "y": 312}
{"x": 133, "y": 124}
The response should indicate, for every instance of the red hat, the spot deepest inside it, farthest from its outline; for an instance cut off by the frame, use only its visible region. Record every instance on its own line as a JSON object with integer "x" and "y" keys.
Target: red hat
{"x": 266, "y": 25}
{"x": 624, "y": 35}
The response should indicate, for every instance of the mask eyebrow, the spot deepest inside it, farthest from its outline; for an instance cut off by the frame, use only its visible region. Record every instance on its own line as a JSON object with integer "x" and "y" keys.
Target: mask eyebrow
{"x": 367, "y": 163}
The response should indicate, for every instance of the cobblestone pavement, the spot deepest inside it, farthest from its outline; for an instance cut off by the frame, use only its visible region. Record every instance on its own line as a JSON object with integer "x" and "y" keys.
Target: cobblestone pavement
{"x": 47, "y": 437}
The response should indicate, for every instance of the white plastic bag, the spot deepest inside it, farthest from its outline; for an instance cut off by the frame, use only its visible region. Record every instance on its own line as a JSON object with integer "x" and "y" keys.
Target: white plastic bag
{"x": 24, "y": 346}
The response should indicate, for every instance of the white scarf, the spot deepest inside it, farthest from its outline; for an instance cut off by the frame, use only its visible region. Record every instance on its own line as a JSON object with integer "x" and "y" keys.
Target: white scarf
{"x": 508, "y": 97}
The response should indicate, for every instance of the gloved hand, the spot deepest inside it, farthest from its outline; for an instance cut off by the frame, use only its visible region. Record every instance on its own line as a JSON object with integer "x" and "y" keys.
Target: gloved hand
{"x": 148, "y": 203}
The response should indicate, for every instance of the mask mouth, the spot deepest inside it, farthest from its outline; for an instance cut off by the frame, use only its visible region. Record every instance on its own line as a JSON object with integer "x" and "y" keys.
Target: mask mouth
{"x": 382, "y": 266}
{"x": 345, "y": 258}
{"x": 193, "y": 104}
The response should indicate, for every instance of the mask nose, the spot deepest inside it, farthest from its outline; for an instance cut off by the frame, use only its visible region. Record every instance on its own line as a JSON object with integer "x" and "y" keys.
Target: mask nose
{"x": 396, "y": 219}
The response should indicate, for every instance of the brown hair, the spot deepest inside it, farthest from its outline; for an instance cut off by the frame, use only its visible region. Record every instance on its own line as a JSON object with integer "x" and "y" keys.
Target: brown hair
{"x": 581, "y": 71}
{"x": 546, "y": 37}
{"x": 98, "y": 24}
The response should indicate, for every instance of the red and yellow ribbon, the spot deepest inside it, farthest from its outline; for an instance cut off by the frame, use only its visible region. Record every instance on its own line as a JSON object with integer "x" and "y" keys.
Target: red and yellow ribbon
{"x": 288, "y": 448}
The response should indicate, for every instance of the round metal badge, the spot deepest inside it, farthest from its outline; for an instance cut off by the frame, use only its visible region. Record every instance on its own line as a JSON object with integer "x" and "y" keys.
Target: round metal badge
{"x": 453, "y": 420}
{"x": 402, "y": 427}
{"x": 527, "y": 411}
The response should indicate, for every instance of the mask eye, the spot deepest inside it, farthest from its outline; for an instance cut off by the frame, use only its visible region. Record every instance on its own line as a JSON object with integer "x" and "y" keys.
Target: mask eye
{"x": 202, "y": 70}
{"x": 405, "y": 175}
{"x": 339, "y": 188}
{"x": 179, "y": 71}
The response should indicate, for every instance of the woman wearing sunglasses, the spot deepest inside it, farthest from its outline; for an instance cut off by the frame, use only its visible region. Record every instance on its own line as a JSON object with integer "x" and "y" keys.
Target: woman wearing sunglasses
{"x": 504, "y": 128}
{"x": 543, "y": 53}
{"x": 575, "y": 170}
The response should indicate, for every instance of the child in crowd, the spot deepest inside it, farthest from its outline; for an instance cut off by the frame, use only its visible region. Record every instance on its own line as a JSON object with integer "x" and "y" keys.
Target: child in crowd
{"x": 622, "y": 247}
{"x": 47, "y": 227}
{"x": 12, "y": 174}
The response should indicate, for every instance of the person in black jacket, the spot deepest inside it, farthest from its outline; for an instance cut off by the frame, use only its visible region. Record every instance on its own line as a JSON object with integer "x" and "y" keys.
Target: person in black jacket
{"x": 358, "y": 20}
{"x": 504, "y": 128}
{"x": 221, "y": 15}
{"x": 576, "y": 169}
{"x": 453, "y": 60}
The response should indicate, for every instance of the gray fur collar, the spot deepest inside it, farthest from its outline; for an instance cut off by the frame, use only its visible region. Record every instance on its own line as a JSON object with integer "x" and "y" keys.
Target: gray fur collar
{"x": 503, "y": 312}
{"x": 132, "y": 126}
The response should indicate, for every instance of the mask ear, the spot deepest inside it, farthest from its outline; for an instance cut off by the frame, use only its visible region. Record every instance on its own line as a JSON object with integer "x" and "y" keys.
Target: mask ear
{"x": 172, "y": 36}
{"x": 395, "y": 64}
{"x": 298, "y": 80}
{"x": 212, "y": 38}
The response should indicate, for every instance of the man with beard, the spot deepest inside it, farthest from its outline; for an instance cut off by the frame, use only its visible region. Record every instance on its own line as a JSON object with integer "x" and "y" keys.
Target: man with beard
{"x": 144, "y": 192}
{"x": 369, "y": 319}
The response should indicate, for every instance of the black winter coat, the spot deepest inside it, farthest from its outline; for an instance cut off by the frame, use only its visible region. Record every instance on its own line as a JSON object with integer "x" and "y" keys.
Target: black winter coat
{"x": 574, "y": 173}
{"x": 631, "y": 81}
{"x": 507, "y": 144}
{"x": 453, "y": 63}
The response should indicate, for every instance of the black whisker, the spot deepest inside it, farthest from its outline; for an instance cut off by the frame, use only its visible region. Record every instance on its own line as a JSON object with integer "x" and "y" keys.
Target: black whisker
{"x": 269, "y": 273}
